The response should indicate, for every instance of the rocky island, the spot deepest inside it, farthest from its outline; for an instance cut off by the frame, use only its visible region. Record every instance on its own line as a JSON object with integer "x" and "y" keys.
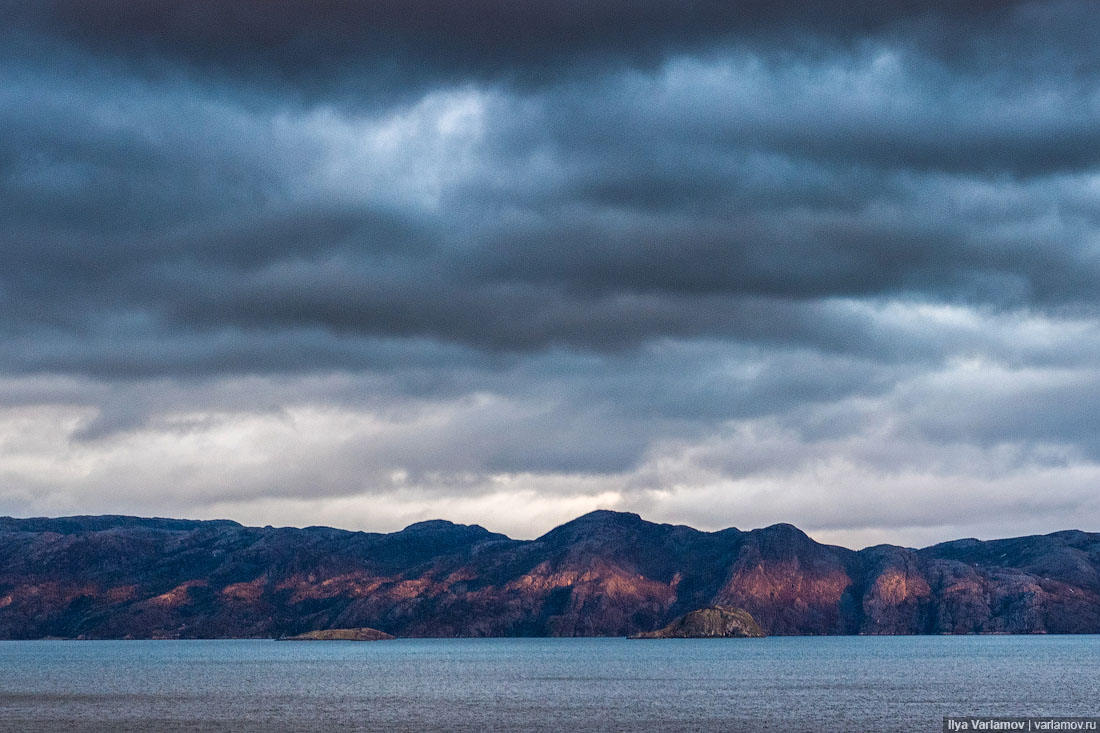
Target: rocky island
{"x": 361, "y": 634}
{"x": 715, "y": 622}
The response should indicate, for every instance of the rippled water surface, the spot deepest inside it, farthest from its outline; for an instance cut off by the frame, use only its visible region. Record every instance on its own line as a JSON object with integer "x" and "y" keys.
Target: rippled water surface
{"x": 780, "y": 684}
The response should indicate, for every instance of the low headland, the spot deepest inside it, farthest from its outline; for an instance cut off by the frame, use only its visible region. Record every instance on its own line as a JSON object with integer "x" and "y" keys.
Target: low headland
{"x": 361, "y": 634}
{"x": 714, "y": 622}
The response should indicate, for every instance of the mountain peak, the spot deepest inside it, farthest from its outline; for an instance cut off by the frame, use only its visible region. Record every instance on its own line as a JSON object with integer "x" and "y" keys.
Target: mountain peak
{"x": 429, "y": 525}
{"x": 596, "y": 524}
{"x": 785, "y": 529}
{"x": 609, "y": 515}
{"x": 443, "y": 527}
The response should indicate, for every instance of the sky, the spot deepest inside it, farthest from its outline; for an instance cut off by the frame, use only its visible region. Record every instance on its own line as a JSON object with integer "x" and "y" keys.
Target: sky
{"x": 360, "y": 264}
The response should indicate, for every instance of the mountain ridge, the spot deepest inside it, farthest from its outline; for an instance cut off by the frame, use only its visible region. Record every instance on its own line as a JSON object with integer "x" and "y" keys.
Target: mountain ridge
{"x": 603, "y": 573}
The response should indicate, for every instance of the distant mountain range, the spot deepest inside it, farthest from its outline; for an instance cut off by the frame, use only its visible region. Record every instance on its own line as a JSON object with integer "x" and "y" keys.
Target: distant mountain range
{"x": 605, "y": 573}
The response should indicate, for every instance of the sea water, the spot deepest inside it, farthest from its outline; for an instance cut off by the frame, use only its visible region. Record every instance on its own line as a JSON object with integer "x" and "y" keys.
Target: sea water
{"x": 774, "y": 684}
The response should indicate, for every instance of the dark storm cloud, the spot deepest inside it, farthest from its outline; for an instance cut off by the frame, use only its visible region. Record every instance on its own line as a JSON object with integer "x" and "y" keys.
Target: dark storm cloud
{"x": 609, "y": 208}
{"x": 489, "y": 37}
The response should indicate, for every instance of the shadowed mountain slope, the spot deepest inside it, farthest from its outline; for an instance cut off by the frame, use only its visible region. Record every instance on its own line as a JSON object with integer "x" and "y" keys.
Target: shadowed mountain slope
{"x": 605, "y": 573}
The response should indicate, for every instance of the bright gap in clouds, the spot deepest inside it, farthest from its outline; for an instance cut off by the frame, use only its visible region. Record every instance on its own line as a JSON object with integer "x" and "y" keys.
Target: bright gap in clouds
{"x": 921, "y": 459}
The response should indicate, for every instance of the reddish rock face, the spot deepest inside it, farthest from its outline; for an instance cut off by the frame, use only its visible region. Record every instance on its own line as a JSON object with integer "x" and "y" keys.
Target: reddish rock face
{"x": 791, "y": 584}
{"x": 602, "y": 574}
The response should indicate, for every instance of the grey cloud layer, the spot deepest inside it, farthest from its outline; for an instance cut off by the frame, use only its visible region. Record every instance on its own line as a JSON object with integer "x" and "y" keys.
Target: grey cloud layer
{"x": 622, "y": 228}
{"x": 594, "y": 215}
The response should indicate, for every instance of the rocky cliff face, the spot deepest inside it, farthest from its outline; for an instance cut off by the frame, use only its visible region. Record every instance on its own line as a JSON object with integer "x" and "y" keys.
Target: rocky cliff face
{"x": 602, "y": 574}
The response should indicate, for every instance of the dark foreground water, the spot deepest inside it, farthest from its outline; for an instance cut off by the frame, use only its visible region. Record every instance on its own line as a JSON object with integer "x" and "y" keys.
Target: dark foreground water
{"x": 775, "y": 684}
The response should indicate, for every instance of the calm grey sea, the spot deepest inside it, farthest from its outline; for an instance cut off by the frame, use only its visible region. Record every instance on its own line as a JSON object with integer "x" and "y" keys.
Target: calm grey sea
{"x": 774, "y": 684}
